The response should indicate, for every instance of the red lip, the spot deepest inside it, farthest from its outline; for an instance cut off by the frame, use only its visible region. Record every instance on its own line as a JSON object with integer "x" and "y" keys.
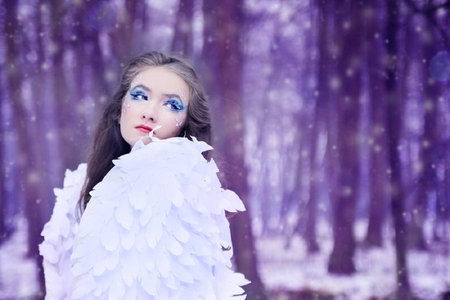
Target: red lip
{"x": 144, "y": 128}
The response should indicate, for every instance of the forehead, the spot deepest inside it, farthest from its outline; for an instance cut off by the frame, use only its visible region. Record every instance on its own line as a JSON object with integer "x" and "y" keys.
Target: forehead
{"x": 160, "y": 79}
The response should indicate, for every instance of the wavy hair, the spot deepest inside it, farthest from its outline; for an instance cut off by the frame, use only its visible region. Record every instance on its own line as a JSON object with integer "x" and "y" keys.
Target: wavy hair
{"x": 108, "y": 143}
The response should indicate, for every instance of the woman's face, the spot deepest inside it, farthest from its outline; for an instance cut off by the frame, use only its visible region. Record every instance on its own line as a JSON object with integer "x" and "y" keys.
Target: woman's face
{"x": 157, "y": 97}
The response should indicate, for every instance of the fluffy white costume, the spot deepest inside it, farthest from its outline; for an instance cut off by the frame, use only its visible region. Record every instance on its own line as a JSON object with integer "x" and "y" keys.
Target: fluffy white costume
{"x": 155, "y": 228}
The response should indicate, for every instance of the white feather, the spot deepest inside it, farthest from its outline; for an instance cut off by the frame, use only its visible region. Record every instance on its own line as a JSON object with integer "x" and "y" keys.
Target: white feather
{"x": 109, "y": 236}
{"x": 149, "y": 283}
{"x": 172, "y": 245}
{"x": 153, "y": 232}
{"x": 176, "y": 229}
{"x": 153, "y": 229}
{"x": 128, "y": 239}
{"x": 162, "y": 262}
{"x": 111, "y": 260}
{"x": 124, "y": 214}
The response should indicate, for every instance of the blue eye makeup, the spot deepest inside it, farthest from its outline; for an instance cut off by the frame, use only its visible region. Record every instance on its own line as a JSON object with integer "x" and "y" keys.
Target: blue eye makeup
{"x": 138, "y": 95}
{"x": 174, "y": 105}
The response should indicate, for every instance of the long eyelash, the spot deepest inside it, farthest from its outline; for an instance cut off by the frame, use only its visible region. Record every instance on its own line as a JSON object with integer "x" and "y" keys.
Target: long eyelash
{"x": 174, "y": 105}
{"x": 138, "y": 95}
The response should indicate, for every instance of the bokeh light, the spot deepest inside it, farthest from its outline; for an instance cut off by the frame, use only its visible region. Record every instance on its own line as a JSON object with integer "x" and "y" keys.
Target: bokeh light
{"x": 103, "y": 16}
{"x": 440, "y": 66}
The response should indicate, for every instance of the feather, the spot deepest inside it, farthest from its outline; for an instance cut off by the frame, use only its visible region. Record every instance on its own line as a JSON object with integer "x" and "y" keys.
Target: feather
{"x": 146, "y": 257}
{"x": 171, "y": 282}
{"x": 149, "y": 283}
{"x": 153, "y": 232}
{"x": 130, "y": 268}
{"x": 187, "y": 259}
{"x": 109, "y": 236}
{"x": 103, "y": 283}
{"x": 117, "y": 289}
{"x": 138, "y": 198}
{"x": 128, "y": 239}
{"x": 131, "y": 293}
{"x": 83, "y": 287}
{"x": 173, "y": 246}
{"x": 124, "y": 214}
{"x": 153, "y": 229}
{"x": 111, "y": 260}
{"x": 182, "y": 274}
{"x": 99, "y": 267}
{"x": 231, "y": 201}
{"x": 162, "y": 263}
{"x": 176, "y": 229}
{"x": 172, "y": 192}
{"x": 145, "y": 216}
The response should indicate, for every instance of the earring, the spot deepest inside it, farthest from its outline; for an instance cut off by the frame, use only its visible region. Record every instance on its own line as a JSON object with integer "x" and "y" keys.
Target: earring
{"x": 178, "y": 123}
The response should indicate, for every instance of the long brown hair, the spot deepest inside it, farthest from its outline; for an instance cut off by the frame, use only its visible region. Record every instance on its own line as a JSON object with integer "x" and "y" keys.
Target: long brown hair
{"x": 108, "y": 143}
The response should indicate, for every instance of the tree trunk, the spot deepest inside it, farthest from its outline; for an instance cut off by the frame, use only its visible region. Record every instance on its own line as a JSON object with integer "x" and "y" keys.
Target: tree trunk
{"x": 325, "y": 106}
{"x": 379, "y": 181}
{"x": 3, "y": 216}
{"x": 28, "y": 147}
{"x": 123, "y": 35}
{"x": 6, "y": 170}
{"x": 228, "y": 53}
{"x": 427, "y": 177}
{"x": 348, "y": 147}
{"x": 314, "y": 184}
{"x": 403, "y": 291}
{"x": 182, "y": 41}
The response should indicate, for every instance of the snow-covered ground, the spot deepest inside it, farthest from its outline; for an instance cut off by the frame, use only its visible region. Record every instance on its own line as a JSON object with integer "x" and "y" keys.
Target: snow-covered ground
{"x": 293, "y": 269}
{"x": 18, "y": 276}
{"x": 281, "y": 269}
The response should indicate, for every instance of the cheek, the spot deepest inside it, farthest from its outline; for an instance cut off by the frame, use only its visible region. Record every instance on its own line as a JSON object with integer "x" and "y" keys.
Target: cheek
{"x": 125, "y": 106}
{"x": 171, "y": 119}
{"x": 125, "y": 112}
{"x": 122, "y": 113}
{"x": 124, "y": 117}
{"x": 179, "y": 121}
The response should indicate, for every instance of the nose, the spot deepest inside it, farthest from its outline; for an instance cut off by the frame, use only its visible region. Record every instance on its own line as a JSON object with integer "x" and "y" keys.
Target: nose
{"x": 150, "y": 111}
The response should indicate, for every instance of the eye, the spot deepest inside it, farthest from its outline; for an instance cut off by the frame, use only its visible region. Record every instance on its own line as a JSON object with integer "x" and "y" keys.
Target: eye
{"x": 138, "y": 95}
{"x": 174, "y": 105}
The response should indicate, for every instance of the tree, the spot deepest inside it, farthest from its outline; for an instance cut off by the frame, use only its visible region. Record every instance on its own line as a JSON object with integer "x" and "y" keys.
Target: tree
{"x": 403, "y": 290}
{"x": 222, "y": 53}
{"x": 182, "y": 41}
{"x": 29, "y": 162}
{"x": 379, "y": 190}
{"x": 348, "y": 108}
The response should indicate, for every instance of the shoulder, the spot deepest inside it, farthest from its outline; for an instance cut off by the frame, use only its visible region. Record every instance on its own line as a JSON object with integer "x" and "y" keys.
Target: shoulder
{"x": 180, "y": 159}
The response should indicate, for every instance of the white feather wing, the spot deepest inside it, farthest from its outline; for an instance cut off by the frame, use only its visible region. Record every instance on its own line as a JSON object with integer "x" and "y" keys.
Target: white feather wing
{"x": 59, "y": 234}
{"x": 155, "y": 228}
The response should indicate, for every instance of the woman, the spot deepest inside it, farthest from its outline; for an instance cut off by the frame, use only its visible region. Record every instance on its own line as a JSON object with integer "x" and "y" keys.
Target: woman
{"x": 150, "y": 222}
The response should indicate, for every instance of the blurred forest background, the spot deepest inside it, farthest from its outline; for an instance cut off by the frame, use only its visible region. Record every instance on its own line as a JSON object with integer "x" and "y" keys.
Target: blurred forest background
{"x": 331, "y": 120}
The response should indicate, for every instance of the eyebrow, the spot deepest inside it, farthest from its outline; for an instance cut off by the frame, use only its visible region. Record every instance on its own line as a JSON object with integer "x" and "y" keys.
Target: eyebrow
{"x": 174, "y": 96}
{"x": 140, "y": 86}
